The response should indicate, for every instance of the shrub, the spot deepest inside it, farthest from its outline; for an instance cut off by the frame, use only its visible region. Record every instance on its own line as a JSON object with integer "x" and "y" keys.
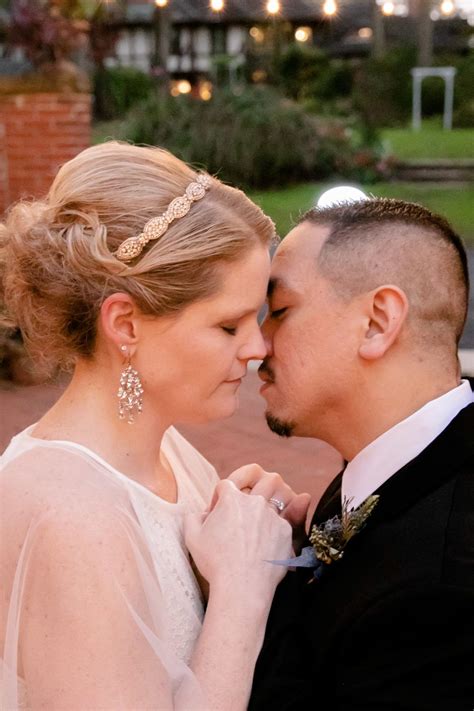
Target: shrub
{"x": 308, "y": 73}
{"x": 298, "y": 69}
{"x": 464, "y": 92}
{"x": 382, "y": 88}
{"x": 464, "y": 115}
{"x": 117, "y": 89}
{"x": 255, "y": 139}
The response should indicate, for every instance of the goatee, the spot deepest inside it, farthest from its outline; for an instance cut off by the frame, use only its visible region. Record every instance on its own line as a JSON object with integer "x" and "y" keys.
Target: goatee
{"x": 281, "y": 428}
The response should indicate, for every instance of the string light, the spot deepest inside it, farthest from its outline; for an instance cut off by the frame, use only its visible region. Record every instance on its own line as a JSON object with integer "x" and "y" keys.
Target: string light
{"x": 273, "y": 7}
{"x": 388, "y": 8}
{"x": 217, "y": 5}
{"x": 330, "y": 8}
{"x": 447, "y": 7}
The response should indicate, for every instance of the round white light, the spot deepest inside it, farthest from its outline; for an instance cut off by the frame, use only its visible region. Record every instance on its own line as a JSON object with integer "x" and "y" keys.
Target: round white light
{"x": 273, "y": 7}
{"x": 161, "y": 3}
{"x": 330, "y": 7}
{"x": 388, "y": 8}
{"x": 217, "y": 5}
{"x": 447, "y": 7}
{"x": 341, "y": 195}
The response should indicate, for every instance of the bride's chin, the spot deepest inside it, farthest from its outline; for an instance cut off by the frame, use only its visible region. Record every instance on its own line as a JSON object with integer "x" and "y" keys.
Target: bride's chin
{"x": 221, "y": 412}
{"x": 228, "y": 407}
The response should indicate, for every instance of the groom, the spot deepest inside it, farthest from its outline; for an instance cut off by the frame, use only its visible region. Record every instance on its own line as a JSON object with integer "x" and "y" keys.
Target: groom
{"x": 367, "y": 303}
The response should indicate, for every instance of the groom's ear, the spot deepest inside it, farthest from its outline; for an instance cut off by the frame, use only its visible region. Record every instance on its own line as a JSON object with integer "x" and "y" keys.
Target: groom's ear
{"x": 386, "y": 312}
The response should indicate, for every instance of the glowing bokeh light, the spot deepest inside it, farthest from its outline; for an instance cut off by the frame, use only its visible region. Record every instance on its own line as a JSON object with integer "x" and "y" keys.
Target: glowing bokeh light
{"x": 388, "y": 8}
{"x": 447, "y": 7}
{"x": 273, "y": 7}
{"x": 303, "y": 34}
{"x": 216, "y": 5}
{"x": 341, "y": 195}
{"x": 330, "y": 8}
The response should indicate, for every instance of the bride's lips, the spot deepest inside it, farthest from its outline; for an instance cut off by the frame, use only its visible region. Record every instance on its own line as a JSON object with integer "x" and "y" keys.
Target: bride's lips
{"x": 236, "y": 380}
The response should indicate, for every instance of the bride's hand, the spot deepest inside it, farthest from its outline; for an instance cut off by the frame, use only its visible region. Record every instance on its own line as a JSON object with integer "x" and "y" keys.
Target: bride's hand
{"x": 252, "y": 479}
{"x": 232, "y": 544}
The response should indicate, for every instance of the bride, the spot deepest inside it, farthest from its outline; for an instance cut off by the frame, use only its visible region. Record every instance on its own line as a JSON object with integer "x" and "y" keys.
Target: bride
{"x": 146, "y": 278}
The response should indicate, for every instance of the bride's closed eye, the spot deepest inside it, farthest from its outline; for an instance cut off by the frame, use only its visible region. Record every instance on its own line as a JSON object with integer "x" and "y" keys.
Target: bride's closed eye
{"x": 231, "y": 330}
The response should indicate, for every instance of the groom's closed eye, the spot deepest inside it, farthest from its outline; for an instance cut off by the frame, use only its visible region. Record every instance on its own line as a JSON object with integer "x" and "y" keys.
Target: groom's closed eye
{"x": 276, "y": 313}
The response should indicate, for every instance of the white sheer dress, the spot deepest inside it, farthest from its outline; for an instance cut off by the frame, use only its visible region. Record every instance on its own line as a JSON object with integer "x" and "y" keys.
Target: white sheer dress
{"x": 99, "y": 595}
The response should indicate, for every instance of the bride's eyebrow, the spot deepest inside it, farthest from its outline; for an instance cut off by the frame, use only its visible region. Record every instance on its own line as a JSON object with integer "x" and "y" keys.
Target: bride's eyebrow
{"x": 240, "y": 314}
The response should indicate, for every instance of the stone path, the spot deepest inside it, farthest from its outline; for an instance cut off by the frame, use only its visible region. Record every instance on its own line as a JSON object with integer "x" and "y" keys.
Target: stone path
{"x": 307, "y": 465}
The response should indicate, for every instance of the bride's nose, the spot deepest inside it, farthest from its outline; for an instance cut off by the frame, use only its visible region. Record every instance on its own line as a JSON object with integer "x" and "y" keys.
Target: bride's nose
{"x": 254, "y": 348}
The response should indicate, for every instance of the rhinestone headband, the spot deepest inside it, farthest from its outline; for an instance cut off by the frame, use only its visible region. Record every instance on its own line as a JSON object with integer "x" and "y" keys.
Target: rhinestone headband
{"x": 157, "y": 226}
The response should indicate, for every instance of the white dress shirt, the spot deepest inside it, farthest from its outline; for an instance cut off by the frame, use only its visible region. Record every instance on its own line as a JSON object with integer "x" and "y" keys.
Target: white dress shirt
{"x": 400, "y": 444}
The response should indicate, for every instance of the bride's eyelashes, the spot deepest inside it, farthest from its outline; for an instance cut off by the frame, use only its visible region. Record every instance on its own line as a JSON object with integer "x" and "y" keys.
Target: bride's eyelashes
{"x": 231, "y": 330}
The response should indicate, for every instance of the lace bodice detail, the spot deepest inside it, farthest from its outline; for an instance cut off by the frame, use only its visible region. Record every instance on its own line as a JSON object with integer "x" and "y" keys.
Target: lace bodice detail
{"x": 161, "y": 531}
{"x": 181, "y": 593}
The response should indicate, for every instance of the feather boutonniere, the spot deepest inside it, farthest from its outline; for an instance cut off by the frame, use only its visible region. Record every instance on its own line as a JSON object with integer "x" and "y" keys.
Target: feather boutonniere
{"x": 329, "y": 539}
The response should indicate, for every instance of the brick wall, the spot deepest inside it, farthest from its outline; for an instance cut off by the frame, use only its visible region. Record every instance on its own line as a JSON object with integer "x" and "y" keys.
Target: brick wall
{"x": 38, "y": 133}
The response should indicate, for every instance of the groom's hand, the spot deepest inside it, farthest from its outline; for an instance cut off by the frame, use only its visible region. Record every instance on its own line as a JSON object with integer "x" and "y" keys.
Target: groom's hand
{"x": 254, "y": 480}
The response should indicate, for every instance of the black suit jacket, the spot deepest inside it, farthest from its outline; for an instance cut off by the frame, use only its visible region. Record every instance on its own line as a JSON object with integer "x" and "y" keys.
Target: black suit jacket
{"x": 391, "y": 625}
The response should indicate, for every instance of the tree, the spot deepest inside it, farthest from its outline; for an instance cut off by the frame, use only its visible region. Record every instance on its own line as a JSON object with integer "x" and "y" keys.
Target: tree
{"x": 421, "y": 10}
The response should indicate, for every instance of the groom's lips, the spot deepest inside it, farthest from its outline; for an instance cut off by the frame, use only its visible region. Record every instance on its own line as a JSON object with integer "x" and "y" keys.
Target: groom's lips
{"x": 265, "y": 373}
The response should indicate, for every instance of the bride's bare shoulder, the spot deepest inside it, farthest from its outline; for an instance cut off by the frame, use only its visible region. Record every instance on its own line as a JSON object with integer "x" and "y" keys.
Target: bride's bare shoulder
{"x": 50, "y": 478}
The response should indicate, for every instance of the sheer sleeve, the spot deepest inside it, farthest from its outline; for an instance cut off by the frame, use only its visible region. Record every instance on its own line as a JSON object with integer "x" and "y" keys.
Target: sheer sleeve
{"x": 85, "y": 625}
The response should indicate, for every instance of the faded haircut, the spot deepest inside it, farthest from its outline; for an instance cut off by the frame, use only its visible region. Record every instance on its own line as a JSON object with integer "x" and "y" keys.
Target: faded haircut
{"x": 384, "y": 241}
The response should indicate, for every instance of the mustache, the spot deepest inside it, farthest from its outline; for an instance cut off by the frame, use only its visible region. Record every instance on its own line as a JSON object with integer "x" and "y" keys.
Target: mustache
{"x": 265, "y": 368}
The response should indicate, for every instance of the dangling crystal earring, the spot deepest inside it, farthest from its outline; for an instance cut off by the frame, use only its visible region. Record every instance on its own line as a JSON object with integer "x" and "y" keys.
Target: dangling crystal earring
{"x": 130, "y": 391}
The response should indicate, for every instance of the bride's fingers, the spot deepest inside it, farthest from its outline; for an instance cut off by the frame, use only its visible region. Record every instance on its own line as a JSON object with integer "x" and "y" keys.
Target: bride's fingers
{"x": 218, "y": 492}
{"x": 297, "y": 510}
{"x": 247, "y": 476}
{"x": 272, "y": 486}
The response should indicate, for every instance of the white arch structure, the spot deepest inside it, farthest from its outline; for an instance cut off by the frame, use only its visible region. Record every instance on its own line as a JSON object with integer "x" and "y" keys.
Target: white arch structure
{"x": 446, "y": 73}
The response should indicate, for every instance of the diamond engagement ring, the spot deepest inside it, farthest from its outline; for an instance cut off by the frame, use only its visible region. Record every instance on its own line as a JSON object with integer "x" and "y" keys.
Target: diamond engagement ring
{"x": 277, "y": 503}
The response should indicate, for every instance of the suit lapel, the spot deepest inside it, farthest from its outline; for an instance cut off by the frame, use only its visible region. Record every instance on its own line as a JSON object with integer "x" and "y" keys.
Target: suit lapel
{"x": 434, "y": 466}
{"x": 429, "y": 470}
{"x": 330, "y": 503}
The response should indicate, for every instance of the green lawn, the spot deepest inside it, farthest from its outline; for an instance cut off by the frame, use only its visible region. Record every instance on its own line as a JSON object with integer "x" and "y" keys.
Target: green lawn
{"x": 456, "y": 203}
{"x": 430, "y": 142}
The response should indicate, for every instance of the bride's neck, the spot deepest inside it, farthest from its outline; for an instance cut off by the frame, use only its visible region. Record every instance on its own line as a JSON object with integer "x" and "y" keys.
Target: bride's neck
{"x": 87, "y": 413}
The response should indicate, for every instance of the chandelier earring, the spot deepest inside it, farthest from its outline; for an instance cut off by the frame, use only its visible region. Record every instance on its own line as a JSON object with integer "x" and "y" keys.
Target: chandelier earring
{"x": 130, "y": 390}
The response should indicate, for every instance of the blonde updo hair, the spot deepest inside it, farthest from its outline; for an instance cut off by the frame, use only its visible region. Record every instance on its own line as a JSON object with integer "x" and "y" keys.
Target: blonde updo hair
{"x": 57, "y": 262}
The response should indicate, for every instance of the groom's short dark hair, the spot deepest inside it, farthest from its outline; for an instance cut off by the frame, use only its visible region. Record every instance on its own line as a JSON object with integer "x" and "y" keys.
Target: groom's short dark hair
{"x": 384, "y": 241}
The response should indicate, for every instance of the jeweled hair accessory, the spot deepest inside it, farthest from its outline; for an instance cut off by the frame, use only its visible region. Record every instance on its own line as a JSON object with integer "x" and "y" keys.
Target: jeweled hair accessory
{"x": 157, "y": 226}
